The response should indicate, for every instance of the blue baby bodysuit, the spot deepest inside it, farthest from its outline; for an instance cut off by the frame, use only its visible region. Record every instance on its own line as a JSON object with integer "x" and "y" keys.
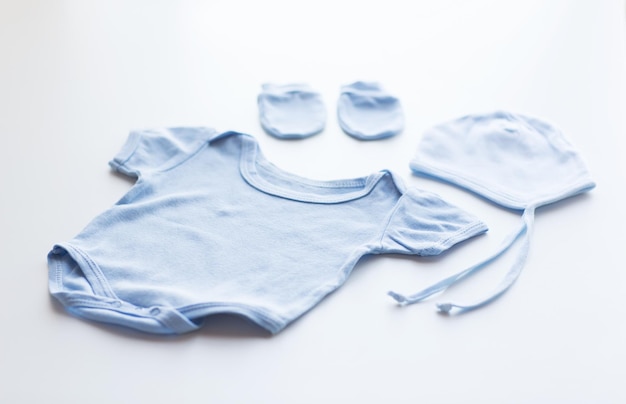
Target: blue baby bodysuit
{"x": 210, "y": 226}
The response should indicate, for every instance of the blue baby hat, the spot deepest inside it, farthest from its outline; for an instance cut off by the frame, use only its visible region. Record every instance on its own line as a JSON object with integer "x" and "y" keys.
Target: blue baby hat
{"x": 513, "y": 160}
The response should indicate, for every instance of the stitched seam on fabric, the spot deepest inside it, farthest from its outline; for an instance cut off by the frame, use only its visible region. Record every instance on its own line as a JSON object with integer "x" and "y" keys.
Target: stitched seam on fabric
{"x": 58, "y": 275}
{"x": 171, "y": 325}
{"x": 391, "y": 216}
{"x": 248, "y": 160}
{"x": 571, "y": 190}
{"x": 350, "y": 183}
{"x": 136, "y": 140}
{"x": 95, "y": 270}
{"x": 453, "y": 239}
{"x": 83, "y": 302}
{"x": 89, "y": 304}
{"x": 103, "y": 282}
{"x": 435, "y": 171}
{"x": 200, "y": 147}
{"x": 264, "y": 314}
{"x": 78, "y": 302}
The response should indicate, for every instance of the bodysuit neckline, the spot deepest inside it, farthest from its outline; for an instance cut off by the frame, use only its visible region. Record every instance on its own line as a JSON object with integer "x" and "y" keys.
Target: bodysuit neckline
{"x": 268, "y": 178}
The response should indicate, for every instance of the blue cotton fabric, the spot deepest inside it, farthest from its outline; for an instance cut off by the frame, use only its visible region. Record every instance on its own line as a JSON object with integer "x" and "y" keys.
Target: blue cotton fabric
{"x": 518, "y": 162}
{"x": 291, "y": 111}
{"x": 514, "y": 160}
{"x": 366, "y": 111}
{"x": 211, "y": 226}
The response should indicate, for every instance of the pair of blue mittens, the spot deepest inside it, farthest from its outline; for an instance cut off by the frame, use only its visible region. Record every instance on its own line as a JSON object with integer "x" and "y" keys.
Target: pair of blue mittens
{"x": 365, "y": 111}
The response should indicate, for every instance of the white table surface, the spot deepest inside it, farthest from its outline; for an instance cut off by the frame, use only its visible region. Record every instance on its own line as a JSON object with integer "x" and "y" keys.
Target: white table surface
{"x": 76, "y": 76}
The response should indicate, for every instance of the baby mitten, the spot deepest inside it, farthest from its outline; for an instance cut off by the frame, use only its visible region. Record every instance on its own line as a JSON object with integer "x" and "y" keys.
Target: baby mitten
{"x": 291, "y": 111}
{"x": 368, "y": 112}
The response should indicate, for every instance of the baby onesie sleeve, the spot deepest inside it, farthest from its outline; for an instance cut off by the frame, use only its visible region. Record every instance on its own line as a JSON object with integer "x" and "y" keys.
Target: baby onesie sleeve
{"x": 424, "y": 224}
{"x": 156, "y": 149}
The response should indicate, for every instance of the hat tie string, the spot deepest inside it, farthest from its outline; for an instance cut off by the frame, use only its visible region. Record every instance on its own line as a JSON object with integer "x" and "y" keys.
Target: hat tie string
{"x": 524, "y": 229}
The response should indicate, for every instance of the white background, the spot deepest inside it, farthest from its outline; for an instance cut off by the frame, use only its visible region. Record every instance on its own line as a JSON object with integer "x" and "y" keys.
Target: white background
{"x": 76, "y": 76}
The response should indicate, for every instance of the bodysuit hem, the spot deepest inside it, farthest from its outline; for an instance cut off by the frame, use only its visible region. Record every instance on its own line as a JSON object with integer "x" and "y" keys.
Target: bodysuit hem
{"x": 102, "y": 304}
